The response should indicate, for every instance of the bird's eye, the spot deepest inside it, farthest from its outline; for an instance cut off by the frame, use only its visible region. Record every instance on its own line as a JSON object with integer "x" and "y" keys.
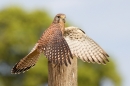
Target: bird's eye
{"x": 58, "y": 16}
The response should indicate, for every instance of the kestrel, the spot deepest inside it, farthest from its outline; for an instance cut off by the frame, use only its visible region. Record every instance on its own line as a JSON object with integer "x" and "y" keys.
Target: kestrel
{"x": 60, "y": 45}
{"x": 51, "y": 43}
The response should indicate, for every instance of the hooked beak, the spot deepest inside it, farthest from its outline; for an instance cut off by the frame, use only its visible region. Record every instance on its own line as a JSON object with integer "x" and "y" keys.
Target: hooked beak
{"x": 63, "y": 18}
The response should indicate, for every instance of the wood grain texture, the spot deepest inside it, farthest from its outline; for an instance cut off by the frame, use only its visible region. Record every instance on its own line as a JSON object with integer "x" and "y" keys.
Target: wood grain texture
{"x": 62, "y": 75}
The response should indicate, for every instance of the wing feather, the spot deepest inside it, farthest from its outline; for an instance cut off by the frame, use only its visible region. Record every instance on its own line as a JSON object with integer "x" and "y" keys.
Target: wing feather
{"x": 27, "y": 62}
{"x": 84, "y": 47}
{"x": 56, "y": 50}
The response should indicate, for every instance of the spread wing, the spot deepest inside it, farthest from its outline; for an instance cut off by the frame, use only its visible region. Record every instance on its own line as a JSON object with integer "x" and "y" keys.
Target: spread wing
{"x": 56, "y": 48}
{"x": 27, "y": 62}
{"x": 84, "y": 47}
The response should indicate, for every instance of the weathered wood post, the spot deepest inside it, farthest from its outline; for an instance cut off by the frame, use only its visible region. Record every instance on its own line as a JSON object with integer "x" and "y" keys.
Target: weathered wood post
{"x": 62, "y": 75}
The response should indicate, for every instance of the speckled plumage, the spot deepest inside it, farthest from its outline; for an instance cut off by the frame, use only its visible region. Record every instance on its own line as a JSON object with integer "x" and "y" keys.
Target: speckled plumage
{"x": 52, "y": 44}
{"x": 84, "y": 47}
{"x": 60, "y": 44}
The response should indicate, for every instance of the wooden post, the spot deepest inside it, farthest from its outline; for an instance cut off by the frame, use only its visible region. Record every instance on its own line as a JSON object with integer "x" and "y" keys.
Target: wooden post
{"x": 62, "y": 75}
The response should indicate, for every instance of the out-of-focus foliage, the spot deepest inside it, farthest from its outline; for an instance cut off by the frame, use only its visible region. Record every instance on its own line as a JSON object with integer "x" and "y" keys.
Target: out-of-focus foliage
{"x": 94, "y": 74}
{"x": 19, "y": 31}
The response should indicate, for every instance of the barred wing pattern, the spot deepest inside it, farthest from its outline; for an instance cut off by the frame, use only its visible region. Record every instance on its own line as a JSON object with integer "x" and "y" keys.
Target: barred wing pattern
{"x": 84, "y": 47}
{"x": 52, "y": 44}
{"x": 56, "y": 50}
{"x": 27, "y": 62}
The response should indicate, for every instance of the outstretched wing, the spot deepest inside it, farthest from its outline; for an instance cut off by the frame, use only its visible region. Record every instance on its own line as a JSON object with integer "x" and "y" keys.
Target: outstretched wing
{"x": 84, "y": 47}
{"x": 55, "y": 48}
{"x": 27, "y": 62}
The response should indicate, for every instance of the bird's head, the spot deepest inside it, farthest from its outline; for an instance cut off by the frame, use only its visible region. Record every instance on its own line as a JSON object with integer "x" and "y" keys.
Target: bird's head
{"x": 59, "y": 18}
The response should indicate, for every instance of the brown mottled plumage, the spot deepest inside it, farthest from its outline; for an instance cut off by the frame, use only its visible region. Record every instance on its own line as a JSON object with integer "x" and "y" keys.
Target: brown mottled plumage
{"x": 59, "y": 44}
{"x": 52, "y": 44}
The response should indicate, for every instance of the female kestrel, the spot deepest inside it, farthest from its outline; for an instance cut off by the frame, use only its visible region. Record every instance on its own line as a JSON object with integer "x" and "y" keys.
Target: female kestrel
{"x": 60, "y": 44}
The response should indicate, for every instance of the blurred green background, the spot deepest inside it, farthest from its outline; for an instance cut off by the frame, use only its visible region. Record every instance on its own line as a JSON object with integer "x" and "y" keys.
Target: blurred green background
{"x": 19, "y": 31}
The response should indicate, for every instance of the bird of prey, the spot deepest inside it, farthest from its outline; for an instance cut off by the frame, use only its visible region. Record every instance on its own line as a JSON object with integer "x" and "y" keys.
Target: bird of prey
{"x": 51, "y": 43}
{"x": 60, "y": 45}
